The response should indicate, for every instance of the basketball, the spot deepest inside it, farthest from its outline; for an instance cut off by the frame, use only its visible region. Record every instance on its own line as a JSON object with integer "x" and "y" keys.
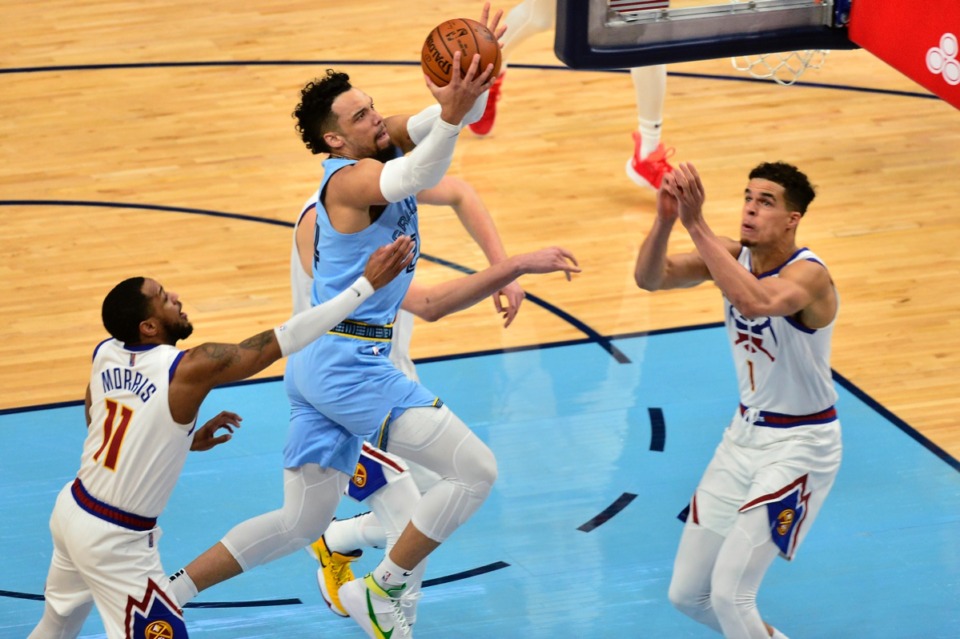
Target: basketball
{"x": 469, "y": 36}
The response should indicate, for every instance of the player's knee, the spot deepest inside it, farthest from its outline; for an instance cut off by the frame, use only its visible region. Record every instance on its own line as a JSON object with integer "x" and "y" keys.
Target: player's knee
{"x": 478, "y": 470}
{"x": 686, "y": 599}
{"x": 724, "y": 603}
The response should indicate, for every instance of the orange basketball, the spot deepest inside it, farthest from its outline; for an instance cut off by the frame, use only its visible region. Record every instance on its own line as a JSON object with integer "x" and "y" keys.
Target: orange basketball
{"x": 469, "y": 36}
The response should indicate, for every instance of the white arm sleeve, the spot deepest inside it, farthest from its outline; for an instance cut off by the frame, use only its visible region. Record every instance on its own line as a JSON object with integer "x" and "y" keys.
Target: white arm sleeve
{"x": 424, "y": 167}
{"x": 419, "y": 125}
{"x": 303, "y": 328}
{"x": 476, "y": 111}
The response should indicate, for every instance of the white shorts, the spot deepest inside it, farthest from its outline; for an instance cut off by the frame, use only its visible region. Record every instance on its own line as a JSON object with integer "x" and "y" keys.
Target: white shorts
{"x": 118, "y": 568}
{"x": 790, "y": 471}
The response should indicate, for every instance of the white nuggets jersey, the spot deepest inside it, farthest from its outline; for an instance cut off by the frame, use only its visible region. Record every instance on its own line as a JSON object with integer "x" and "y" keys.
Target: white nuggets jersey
{"x": 301, "y": 281}
{"x": 134, "y": 450}
{"x": 782, "y": 366}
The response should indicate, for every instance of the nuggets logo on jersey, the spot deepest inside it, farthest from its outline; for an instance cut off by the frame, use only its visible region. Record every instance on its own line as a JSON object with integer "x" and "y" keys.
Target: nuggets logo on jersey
{"x": 753, "y": 336}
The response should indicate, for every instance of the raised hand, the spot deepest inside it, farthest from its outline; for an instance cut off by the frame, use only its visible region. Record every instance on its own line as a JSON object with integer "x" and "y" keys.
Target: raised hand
{"x": 667, "y": 199}
{"x": 388, "y": 261}
{"x": 689, "y": 192}
{"x": 495, "y": 27}
{"x": 459, "y": 95}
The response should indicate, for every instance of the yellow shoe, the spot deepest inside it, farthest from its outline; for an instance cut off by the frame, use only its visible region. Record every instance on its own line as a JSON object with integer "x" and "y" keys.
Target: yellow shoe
{"x": 334, "y": 571}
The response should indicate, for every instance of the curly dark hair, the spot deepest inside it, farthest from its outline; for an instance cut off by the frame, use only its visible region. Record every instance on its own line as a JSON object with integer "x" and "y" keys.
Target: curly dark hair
{"x": 124, "y": 307}
{"x": 314, "y": 115}
{"x": 797, "y": 190}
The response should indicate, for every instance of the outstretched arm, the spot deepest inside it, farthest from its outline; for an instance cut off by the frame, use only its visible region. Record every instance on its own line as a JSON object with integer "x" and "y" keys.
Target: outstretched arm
{"x": 476, "y": 219}
{"x": 212, "y": 364}
{"x": 433, "y": 302}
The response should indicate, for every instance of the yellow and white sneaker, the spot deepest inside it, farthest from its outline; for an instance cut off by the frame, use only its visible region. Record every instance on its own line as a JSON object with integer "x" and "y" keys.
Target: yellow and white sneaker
{"x": 375, "y": 609}
{"x": 333, "y": 573}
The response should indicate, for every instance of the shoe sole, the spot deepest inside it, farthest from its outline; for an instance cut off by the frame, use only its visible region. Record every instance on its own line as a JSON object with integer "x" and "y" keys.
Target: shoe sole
{"x": 636, "y": 178}
{"x": 321, "y": 583}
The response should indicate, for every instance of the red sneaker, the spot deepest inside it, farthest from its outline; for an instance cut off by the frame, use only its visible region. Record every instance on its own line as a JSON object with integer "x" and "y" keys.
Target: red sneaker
{"x": 485, "y": 123}
{"x": 650, "y": 170}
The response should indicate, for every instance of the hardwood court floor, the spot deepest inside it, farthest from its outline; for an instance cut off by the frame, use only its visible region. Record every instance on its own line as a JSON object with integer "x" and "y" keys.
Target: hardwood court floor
{"x": 129, "y": 129}
{"x": 183, "y": 104}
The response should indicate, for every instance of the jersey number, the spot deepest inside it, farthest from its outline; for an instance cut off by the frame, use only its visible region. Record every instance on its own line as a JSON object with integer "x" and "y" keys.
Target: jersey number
{"x": 753, "y": 386}
{"x": 113, "y": 437}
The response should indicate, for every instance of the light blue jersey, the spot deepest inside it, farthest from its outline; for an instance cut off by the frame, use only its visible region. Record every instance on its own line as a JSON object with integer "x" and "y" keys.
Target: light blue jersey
{"x": 343, "y": 387}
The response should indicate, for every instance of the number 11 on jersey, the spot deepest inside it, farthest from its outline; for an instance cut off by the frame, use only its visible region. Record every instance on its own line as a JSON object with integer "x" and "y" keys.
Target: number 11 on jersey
{"x": 113, "y": 438}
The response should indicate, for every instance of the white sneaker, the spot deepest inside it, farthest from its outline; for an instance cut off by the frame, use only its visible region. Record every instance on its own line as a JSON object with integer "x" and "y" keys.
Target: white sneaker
{"x": 408, "y": 604}
{"x": 376, "y": 610}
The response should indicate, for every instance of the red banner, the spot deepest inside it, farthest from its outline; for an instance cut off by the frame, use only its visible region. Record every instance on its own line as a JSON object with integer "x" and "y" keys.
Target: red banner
{"x": 919, "y": 39}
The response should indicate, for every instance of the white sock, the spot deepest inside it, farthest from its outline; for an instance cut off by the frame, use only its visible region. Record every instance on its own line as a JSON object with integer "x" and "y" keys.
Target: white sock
{"x": 181, "y": 588}
{"x": 650, "y": 87}
{"x": 649, "y": 137}
{"x": 390, "y": 575}
{"x": 346, "y": 535}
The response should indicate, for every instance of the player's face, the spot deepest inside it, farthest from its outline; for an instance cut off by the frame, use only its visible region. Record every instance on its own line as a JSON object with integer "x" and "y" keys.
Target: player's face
{"x": 361, "y": 126}
{"x": 765, "y": 217}
{"x": 168, "y": 310}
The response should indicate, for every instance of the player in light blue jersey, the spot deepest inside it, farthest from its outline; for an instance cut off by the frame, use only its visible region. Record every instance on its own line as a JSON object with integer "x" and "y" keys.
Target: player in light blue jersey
{"x": 345, "y": 389}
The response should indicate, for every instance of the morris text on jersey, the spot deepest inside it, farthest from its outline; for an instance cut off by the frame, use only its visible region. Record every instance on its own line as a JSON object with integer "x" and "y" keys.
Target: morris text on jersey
{"x": 125, "y": 379}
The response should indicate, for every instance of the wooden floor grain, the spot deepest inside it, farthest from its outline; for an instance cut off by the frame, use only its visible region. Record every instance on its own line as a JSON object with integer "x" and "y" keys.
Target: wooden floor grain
{"x": 187, "y": 105}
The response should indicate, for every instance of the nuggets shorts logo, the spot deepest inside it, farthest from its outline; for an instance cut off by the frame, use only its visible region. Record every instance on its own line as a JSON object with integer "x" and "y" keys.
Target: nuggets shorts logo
{"x": 158, "y": 630}
{"x": 785, "y": 521}
{"x": 360, "y": 476}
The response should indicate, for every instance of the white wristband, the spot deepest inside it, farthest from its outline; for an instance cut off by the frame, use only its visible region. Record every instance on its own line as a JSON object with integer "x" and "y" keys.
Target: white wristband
{"x": 305, "y": 327}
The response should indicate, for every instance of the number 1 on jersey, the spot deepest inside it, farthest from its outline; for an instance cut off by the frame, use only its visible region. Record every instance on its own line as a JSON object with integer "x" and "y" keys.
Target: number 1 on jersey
{"x": 113, "y": 438}
{"x": 753, "y": 386}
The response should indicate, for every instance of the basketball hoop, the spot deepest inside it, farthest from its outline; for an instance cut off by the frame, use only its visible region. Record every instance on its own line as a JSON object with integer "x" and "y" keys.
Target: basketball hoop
{"x": 783, "y": 68}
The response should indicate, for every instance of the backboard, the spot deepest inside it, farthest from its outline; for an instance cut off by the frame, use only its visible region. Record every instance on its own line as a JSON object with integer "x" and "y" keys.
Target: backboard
{"x": 616, "y": 34}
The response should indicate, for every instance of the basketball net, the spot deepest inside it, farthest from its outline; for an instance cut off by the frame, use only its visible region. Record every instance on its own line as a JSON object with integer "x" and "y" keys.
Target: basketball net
{"x": 783, "y": 68}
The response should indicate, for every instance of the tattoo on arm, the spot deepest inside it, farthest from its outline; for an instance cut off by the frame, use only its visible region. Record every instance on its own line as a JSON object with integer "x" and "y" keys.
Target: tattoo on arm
{"x": 259, "y": 342}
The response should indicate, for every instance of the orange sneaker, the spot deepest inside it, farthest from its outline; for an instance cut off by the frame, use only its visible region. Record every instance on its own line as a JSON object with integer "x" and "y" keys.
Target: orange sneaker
{"x": 650, "y": 170}
{"x": 485, "y": 123}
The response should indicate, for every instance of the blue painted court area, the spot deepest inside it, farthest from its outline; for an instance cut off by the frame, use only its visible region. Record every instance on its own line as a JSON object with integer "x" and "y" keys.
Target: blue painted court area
{"x": 576, "y": 434}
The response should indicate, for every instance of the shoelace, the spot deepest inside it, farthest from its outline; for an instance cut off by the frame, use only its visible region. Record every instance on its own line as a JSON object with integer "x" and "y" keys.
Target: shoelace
{"x": 400, "y": 619}
{"x": 340, "y": 572}
{"x": 410, "y": 599}
{"x": 660, "y": 156}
